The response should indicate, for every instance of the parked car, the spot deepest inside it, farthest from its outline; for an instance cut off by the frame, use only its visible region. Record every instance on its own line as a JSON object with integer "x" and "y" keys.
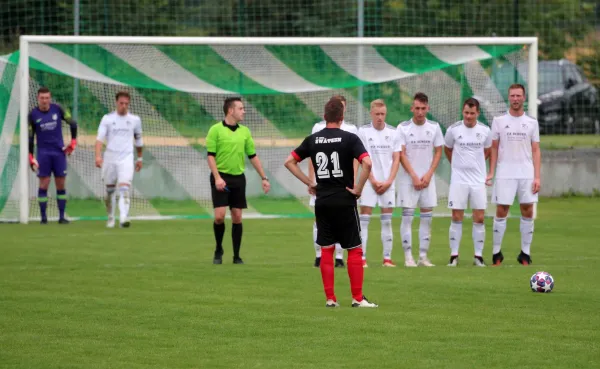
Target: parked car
{"x": 567, "y": 102}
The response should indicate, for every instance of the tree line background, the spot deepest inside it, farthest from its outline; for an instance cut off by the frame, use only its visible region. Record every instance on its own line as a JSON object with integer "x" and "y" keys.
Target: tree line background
{"x": 566, "y": 28}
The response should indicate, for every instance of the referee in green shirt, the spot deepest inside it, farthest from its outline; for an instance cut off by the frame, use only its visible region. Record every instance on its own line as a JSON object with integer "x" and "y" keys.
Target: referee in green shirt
{"x": 227, "y": 143}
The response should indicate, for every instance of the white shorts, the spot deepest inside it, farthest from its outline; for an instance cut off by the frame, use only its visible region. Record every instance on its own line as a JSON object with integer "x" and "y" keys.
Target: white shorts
{"x": 410, "y": 198}
{"x": 460, "y": 195}
{"x": 371, "y": 198}
{"x": 505, "y": 190}
{"x": 117, "y": 172}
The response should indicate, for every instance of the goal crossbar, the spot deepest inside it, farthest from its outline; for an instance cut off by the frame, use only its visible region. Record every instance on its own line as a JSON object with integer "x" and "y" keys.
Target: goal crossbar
{"x": 26, "y": 40}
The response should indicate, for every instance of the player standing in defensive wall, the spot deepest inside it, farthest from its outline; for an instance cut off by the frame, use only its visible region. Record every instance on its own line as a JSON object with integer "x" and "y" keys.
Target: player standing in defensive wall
{"x": 516, "y": 161}
{"x": 339, "y": 252}
{"x": 228, "y": 143}
{"x": 378, "y": 138}
{"x": 333, "y": 152}
{"x": 467, "y": 147}
{"x": 119, "y": 129}
{"x": 45, "y": 123}
{"x": 417, "y": 140}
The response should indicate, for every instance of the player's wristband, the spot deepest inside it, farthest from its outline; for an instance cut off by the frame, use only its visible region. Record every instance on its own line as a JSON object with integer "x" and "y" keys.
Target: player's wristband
{"x": 31, "y": 158}
{"x": 140, "y": 159}
{"x": 265, "y": 179}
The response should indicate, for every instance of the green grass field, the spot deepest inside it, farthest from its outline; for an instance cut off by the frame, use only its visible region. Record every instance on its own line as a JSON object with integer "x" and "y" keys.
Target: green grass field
{"x": 564, "y": 142}
{"x": 82, "y": 296}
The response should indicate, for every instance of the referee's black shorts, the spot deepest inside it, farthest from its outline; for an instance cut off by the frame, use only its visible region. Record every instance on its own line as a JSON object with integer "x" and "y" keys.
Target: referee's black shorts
{"x": 338, "y": 224}
{"x": 234, "y": 194}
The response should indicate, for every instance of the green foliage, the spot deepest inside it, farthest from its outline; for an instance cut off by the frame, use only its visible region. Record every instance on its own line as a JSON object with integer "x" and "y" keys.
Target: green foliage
{"x": 560, "y": 24}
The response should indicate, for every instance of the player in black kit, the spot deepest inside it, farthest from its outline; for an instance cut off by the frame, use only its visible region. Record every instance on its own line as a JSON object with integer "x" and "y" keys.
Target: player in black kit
{"x": 332, "y": 152}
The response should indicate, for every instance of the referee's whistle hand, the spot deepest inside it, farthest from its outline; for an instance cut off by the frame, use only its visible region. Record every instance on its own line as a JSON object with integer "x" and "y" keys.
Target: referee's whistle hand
{"x": 220, "y": 184}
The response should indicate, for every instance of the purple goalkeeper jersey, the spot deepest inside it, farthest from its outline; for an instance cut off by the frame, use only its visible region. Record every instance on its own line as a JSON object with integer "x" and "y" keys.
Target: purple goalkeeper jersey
{"x": 47, "y": 126}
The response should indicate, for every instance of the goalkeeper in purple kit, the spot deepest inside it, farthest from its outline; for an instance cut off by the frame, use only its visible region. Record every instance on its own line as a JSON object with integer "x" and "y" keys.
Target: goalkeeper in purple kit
{"x": 45, "y": 123}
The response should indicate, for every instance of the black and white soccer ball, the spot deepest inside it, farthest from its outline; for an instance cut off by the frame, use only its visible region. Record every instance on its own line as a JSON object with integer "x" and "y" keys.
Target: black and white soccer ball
{"x": 542, "y": 282}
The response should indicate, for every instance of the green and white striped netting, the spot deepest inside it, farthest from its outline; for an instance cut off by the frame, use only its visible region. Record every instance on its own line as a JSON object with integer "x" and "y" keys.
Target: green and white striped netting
{"x": 178, "y": 91}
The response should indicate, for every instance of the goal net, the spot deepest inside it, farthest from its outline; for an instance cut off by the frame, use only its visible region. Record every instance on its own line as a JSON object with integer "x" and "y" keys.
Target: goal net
{"x": 178, "y": 86}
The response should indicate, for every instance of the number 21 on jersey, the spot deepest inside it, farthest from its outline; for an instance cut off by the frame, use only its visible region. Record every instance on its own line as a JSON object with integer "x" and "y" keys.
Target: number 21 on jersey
{"x": 322, "y": 164}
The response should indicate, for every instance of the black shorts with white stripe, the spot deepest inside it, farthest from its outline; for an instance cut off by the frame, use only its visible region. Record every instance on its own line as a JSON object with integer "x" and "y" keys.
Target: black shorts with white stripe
{"x": 338, "y": 224}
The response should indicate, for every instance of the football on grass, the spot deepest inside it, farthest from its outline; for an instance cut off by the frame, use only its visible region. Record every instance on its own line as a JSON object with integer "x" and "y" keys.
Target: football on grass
{"x": 542, "y": 282}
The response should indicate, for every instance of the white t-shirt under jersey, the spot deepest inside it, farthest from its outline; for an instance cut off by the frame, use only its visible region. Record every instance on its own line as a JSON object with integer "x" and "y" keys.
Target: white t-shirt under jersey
{"x": 468, "y": 156}
{"x": 119, "y": 131}
{"x": 380, "y": 146}
{"x": 344, "y": 127}
{"x": 419, "y": 141}
{"x": 515, "y": 135}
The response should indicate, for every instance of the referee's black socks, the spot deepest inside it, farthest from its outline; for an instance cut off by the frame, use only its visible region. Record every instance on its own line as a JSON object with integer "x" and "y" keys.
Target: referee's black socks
{"x": 219, "y": 230}
{"x": 236, "y": 238}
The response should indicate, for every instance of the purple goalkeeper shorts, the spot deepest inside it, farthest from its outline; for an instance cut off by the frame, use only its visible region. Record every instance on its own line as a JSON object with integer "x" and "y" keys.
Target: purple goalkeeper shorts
{"x": 52, "y": 162}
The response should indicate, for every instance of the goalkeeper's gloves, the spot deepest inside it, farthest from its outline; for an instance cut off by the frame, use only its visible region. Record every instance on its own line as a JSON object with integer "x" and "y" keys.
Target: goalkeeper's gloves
{"x": 69, "y": 149}
{"x": 33, "y": 163}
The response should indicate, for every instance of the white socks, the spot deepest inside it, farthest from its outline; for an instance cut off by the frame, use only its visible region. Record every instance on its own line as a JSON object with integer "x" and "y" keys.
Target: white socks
{"x": 406, "y": 232}
{"x": 387, "y": 236}
{"x": 110, "y": 200}
{"x": 455, "y": 236}
{"x": 526, "y": 234}
{"x": 364, "y": 232}
{"x": 123, "y": 203}
{"x": 425, "y": 233}
{"x": 499, "y": 229}
{"x": 339, "y": 252}
{"x": 478, "y": 238}
{"x": 317, "y": 247}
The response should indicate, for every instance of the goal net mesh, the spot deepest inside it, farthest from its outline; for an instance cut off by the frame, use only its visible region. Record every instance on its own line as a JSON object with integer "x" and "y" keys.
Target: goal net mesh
{"x": 178, "y": 92}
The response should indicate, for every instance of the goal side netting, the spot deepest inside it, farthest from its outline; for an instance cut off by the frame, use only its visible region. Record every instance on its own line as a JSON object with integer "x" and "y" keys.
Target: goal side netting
{"x": 178, "y": 91}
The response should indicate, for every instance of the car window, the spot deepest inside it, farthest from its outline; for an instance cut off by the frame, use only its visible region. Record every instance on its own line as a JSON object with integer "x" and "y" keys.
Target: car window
{"x": 549, "y": 78}
{"x": 571, "y": 74}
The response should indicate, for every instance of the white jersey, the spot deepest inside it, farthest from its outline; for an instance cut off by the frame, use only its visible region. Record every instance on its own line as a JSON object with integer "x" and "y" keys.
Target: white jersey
{"x": 468, "y": 155}
{"x": 515, "y": 135}
{"x": 119, "y": 131}
{"x": 419, "y": 142}
{"x": 380, "y": 146}
{"x": 344, "y": 127}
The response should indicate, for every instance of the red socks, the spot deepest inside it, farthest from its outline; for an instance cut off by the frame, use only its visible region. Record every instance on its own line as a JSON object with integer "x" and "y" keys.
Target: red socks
{"x": 356, "y": 272}
{"x": 327, "y": 271}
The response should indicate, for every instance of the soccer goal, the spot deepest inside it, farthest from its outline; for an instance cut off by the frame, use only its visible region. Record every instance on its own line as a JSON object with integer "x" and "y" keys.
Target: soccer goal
{"x": 178, "y": 85}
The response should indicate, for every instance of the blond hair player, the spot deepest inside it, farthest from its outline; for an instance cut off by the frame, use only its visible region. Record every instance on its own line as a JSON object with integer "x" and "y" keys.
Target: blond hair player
{"x": 378, "y": 138}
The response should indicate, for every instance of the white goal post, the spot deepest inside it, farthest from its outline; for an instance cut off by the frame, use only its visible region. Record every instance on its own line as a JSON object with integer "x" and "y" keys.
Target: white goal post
{"x": 26, "y": 41}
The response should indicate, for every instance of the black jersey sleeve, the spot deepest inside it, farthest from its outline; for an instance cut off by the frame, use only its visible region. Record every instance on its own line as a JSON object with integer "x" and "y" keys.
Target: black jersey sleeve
{"x": 358, "y": 149}
{"x": 303, "y": 151}
{"x": 31, "y": 127}
{"x": 66, "y": 116}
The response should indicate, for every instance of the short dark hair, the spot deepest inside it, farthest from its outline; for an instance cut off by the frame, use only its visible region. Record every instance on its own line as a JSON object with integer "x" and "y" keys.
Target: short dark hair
{"x": 471, "y": 102}
{"x": 341, "y": 97}
{"x": 514, "y": 86}
{"x": 229, "y": 103}
{"x": 421, "y": 97}
{"x": 334, "y": 111}
{"x": 122, "y": 94}
{"x": 43, "y": 90}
